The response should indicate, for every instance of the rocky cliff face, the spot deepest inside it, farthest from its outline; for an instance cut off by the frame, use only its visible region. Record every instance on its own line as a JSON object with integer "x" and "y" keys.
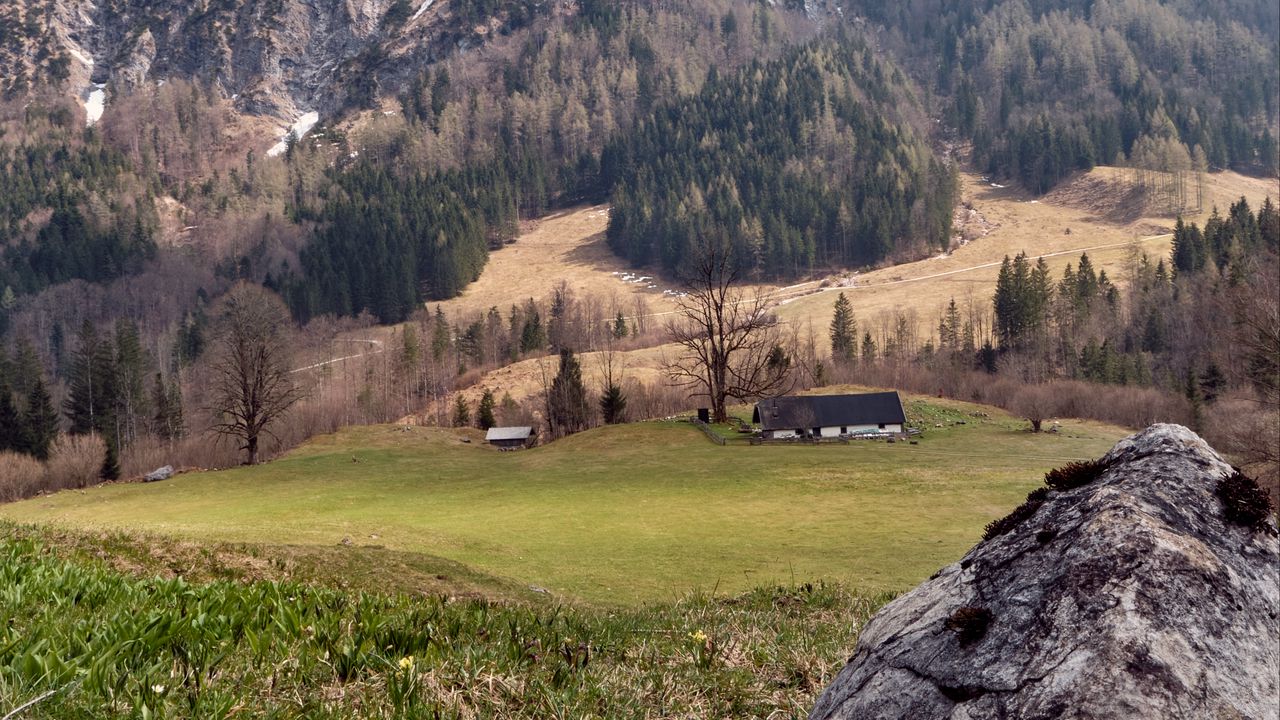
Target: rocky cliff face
{"x": 280, "y": 58}
{"x": 1141, "y": 593}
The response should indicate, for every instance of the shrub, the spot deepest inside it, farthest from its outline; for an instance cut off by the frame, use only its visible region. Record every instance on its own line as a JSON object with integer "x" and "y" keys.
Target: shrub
{"x": 1074, "y": 474}
{"x": 970, "y": 624}
{"x": 1035, "y": 403}
{"x": 74, "y": 462}
{"x": 20, "y": 476}
{"x": 1244, "y": 503}
{"x": 1023, "y": 512}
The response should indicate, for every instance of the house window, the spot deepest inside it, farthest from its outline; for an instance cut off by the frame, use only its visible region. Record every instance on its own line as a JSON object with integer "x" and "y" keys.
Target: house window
{"x": 844, "y": 430}
{"x": 881, "y": 426}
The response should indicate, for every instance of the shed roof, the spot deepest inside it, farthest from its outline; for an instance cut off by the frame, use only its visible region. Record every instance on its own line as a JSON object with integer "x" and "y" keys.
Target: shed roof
{"x": 810, "y": 411}
{"x": 508, "y": 433}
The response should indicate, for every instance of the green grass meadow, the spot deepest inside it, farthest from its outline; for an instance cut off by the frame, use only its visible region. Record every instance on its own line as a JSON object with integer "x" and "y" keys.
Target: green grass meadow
{"x": 616, "y": 516}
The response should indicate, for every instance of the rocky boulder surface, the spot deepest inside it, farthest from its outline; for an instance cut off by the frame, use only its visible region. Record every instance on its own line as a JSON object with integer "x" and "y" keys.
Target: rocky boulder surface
{"x": 1146, "y": 584}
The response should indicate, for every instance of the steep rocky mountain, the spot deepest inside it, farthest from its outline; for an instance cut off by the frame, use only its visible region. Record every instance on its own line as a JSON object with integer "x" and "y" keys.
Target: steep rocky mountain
{"x": 279, "y": 58}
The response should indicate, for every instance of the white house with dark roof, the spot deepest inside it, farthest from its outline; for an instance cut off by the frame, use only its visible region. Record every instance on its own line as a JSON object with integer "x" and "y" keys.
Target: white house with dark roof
{"x": 830, "y": 416}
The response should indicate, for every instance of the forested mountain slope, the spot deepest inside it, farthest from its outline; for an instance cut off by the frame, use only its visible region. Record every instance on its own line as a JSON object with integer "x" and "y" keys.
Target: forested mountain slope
{"x": 813, "y": 135}
{"x": 1045, "y": 88}
{"x": 799, "y": 163}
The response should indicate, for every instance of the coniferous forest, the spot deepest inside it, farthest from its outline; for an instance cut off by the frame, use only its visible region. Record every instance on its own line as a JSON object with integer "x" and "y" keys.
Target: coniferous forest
{"x": 798, "y": 163}
{"x": 1042, "y": 89}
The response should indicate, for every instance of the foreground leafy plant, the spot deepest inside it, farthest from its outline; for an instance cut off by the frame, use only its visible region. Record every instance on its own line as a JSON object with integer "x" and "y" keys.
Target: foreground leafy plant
{"x": 111, "y": 645}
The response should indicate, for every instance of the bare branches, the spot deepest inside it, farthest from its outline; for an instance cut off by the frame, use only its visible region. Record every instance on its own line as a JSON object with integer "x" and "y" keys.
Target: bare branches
{"x": 731, "y": 344}
{"x": 252, "y": 387}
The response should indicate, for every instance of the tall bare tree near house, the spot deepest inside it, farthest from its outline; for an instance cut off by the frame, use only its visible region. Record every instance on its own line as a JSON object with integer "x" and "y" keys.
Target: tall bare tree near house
{"x": 252, "y": 386}
{"x": 730, "y": 343}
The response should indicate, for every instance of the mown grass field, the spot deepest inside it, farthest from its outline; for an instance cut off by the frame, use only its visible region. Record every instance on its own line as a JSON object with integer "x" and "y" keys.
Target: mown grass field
{"x": 616, "y": 516}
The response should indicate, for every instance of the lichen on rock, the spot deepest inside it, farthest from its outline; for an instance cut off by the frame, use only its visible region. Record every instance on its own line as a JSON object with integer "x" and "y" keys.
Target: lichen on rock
{"x": 1129, "y": 595}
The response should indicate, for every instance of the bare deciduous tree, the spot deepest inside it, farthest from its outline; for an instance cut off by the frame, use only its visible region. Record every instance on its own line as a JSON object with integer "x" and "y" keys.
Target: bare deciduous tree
{"x": 731, "y": 343}
{"x": 1035, "y": 403}
{"x": 252, "y": 386}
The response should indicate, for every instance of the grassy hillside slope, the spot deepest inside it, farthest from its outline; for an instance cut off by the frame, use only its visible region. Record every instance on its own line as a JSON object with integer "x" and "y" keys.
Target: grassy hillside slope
{"x": 621, "y": 514}
{"x": 82, "y": 641}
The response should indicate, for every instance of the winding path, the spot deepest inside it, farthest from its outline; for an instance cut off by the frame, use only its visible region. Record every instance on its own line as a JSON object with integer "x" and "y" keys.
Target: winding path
{"x": 378, "y": 343}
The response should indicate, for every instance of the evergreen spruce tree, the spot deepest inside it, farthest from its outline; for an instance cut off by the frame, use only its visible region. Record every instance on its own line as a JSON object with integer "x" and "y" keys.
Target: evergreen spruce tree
{"x": 1195, "y": 399}
{"x": 110, "y": 461}
{"x": 613, "y": 404}
{"x": 130, "y": 372}
{"x": 40, "y": 421}
{"x": 484, "y": 414}
{"x": 26, "y": 368}
{"x": 844, "y": 331}
{"x": 461, "y": 413}
{"x": 1005, "y": 300}
{"x": 91, "y": 391}
{"x": 987, "y": 358}
{"x": 166, "y": 400}
{"x": 567, "y": 404}
{"x": 619, "y": 326}
{"x": 11, "y": 436}
{"x": 868, "y": 349}
{"x": 177, "y": 423}
{"x": 533, "y": 337}
{"x": 439, "y": 335}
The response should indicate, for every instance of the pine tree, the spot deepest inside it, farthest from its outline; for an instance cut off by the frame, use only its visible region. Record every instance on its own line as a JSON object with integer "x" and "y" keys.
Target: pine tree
{"x": 11, "y": 435}
{"x": 91, "y": 392}
{"x": 619, "y": 326}
{"x": 40, "y": 421}
{"x": 177, "y": 422}
{"x": 1086, "y": 280}
{"x": 1195, "y": 399}
{"x": 166, "y": 399}
{"x": 844, "y": 331}
{"x": 868, "y": 349}
{"x": 439, "y": 335}
{"x": 110, "y": 462}
{"x": 26, "y": 368}
{"x": 130, "y": 371}
{"x": 613, "y": 404}
{"x": 567, "y": 403}
{"x": 987, "y": 358}
{"x": 1005, "y": 301}
{"x": 532, "y": 336}
{"x": 1189, "y": 244}
{"x": 461, "y": 413}
{"x": 484, "y": 415}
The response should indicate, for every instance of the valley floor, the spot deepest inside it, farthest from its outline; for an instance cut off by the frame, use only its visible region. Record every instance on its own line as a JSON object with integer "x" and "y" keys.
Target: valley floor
{"x": 620, "y": 515}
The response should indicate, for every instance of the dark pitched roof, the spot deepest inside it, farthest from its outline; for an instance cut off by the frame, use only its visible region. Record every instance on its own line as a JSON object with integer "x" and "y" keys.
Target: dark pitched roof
{"x": 810, "y": 411}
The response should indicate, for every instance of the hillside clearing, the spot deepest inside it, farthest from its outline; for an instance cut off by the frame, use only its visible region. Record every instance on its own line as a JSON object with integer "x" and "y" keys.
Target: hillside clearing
{"x": 566, "y": 246}
{"x": 1011, "y": 221}
{"x": 617, "y": 515}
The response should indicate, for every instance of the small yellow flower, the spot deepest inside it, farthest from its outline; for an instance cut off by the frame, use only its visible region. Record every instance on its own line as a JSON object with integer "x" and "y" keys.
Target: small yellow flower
{"x": 406, "y": 663}
{"x": 698, "y": 637}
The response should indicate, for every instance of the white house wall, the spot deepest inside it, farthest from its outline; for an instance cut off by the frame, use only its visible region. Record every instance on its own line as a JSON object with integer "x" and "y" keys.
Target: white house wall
{"x": 834, "y": 430}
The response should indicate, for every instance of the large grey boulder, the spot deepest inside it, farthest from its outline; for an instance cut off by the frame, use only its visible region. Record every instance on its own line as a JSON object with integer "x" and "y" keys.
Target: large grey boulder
{"x": 1132, "y": 596}
{"x": 162, "y": 473}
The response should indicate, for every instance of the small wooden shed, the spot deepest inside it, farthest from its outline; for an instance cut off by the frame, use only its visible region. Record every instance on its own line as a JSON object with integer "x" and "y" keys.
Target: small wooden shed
{"x": 510, "y": 437}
